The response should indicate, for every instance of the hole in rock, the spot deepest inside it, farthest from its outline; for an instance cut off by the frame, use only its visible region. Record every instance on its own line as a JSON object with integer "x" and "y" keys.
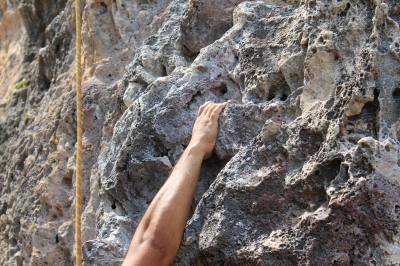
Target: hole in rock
{"x": 220, "y": 90}
{"x": 347, "y": 7}
{"x": 57, "y": 49}
{"x": 13, "y": 242}
{"x": 376, "y": 95}
{"x": 113, "y": 206}
{"x": 3, "y": 209}
{"x": 188, "y": 52}
{"x": 396, "y": 94}
{"x": 163, "y": 70}
{"x": 193, "y": 99}
{"x": 57, "y": 238}
{"x": 67, "y": 180}
{"x": 279, "y": 90}
{"x": 284, "y": 97}
{"x": 365, "y": 123}
{"x": 329, "y": 171}
{"x": 271, "y": 97}
{"x": 102, "y": 8}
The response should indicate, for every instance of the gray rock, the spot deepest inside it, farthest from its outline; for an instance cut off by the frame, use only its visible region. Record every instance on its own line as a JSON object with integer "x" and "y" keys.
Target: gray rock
{"x": 306, "y": 164}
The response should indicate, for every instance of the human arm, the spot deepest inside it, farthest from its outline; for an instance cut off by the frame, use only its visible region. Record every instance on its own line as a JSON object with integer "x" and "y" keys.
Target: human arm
{"x": 157, "y": 238}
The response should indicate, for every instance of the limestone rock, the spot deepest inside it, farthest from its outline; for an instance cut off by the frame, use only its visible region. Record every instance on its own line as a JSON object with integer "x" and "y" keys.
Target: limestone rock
{"x": 306, "y": 165}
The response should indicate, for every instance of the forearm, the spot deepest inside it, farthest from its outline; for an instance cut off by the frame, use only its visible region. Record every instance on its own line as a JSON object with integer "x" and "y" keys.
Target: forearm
{"x": 157, "y": 238}
{"x": 163, "y": 224}
{"x": 170, "y": 207}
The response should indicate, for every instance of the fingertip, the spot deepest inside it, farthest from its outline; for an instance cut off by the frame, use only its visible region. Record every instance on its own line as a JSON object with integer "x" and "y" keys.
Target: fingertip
{"x": 204, "y": 107}
{"x": 217, "y": 110}
{"x": 207, "y": 102}
{"x": 209, "y": 106}
{"x": 201, "y": 109}
{"x": 223, "y": 105}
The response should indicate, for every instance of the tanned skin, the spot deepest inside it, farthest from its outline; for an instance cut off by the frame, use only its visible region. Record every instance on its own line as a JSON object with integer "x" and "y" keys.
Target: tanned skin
{"x": 157, "y": 238}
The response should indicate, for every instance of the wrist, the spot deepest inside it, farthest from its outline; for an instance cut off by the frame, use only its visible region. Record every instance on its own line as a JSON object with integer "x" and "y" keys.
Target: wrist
{"x": 195, "y": 150}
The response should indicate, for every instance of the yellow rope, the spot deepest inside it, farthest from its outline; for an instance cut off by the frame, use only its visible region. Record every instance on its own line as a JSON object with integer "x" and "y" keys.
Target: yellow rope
{"x": 78, "y": 195}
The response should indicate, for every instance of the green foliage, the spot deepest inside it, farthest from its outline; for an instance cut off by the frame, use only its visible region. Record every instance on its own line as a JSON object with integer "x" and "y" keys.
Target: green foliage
{"x": 26, "y": 117}
{"x": 21, "y": 84}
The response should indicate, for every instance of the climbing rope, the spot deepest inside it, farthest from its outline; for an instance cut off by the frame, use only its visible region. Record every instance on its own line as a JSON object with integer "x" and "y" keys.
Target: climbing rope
{"x": 78, "y": 185}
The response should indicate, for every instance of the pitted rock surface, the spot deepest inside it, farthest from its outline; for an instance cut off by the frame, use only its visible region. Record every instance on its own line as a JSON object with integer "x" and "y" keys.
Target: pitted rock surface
{"x": 306, "y": 165}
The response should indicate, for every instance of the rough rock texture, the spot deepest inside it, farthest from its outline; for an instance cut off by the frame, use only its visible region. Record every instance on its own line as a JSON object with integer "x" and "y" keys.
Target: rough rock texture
{"x": 306, "y": 166}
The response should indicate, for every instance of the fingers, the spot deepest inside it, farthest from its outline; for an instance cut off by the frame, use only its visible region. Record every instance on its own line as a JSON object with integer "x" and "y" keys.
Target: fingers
{"x": 211, "y": 109}
{"x": 203, "y": 107}
{"x": 209, "y": 105}
{"x": 217, "y": 110}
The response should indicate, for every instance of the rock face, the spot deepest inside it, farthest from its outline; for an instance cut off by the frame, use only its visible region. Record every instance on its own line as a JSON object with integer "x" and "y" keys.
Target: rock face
{"x": 306, "y": 165}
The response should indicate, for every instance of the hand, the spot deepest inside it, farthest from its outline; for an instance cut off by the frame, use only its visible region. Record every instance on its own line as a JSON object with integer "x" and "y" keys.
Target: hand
{"x": 205, "y": 128}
